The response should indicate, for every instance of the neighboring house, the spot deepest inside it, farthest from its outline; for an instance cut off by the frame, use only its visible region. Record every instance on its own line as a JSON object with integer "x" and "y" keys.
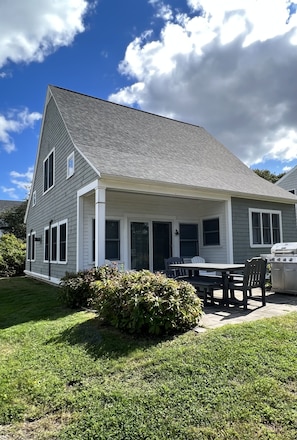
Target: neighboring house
{"x": 7, "y": 205}
{"x": 111, "y": 182}
{"x": 289, "y": 183}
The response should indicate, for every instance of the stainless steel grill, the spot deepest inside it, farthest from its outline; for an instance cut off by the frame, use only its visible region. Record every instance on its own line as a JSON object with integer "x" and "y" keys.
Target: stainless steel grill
{"x": 284, "y": 267}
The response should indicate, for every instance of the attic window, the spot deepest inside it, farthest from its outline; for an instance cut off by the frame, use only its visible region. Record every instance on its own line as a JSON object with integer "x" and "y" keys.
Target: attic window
{"x": 34, "y": 198}
{"x": 70, "y": 165}
{"x": 48, "y": 172}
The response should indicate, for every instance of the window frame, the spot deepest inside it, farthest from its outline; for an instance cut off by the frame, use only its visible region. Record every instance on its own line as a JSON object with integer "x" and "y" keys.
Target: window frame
{"x": 34, "y": 198}
{"x": 47, "y": 184}
{"x": 70, "y": 169}
{"x": 262, "y": 227}
{"x": 31, "y": 246}
{"x": 194, "y": 240}
{"x": 204, "y": 242}
{"x": 52, "y": 250}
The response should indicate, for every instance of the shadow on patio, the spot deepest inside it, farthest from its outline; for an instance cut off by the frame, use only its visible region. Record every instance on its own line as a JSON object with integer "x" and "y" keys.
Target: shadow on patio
{"x": 277, "y": 304}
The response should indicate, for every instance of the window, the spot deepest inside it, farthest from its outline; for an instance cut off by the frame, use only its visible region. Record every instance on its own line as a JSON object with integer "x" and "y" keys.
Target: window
{"x": 46, "y": 244}
{"x": 70, "y": 165}
{"x": 188, "y": 240}
{"x": 48, "y": 172}
{"x": 34, "y": 198}
{"x": 55, "y": 242}
{"x": 211, "y": 232}
{"x": 31, "y": 246}
{"x": 112, "y": 240}
{"x": 265, "y": 227}
{"x": 62, "y": 241}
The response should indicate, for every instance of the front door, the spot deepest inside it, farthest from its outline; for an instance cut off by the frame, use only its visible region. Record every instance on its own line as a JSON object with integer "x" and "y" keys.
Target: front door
{"x": 150, "y": 244}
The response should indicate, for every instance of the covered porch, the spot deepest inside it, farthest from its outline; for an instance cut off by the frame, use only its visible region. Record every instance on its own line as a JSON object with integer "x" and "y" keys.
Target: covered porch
{"x": 140, "y": 227}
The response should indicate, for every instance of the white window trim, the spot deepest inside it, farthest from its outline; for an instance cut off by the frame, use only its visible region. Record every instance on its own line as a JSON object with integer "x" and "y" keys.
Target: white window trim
{"x": 34, "y": 198}
{"x": 208, "y": 246}
{"x": 44, "y": 244}
{"x": 70, "y": 170}
{"x": 264, "y": 211}
{"x": 29, "y": 237}
{"x": 90, "y": 237}
{"x": 48, "y": 189}
{"x": 63, "y": 222}
{"x": 57, "y": 225}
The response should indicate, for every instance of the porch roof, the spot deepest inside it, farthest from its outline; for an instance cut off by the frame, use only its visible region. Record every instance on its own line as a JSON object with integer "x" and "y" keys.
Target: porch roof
{"x": 124, "y": 142}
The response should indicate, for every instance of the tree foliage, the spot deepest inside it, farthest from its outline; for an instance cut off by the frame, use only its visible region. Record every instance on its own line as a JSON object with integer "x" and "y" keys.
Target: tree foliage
{"x": 12, "y": 220}
{"x": 267, "y": 175}
{"x": 12, "y": 255}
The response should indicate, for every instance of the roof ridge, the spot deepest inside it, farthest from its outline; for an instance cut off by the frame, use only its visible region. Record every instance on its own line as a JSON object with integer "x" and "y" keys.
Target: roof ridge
{"x": 125, "y": 106}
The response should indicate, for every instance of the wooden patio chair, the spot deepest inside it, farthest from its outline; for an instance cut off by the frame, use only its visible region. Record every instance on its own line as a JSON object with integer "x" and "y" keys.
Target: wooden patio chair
{"x": 172, "y": 272}
{"x": 254, "y": 276}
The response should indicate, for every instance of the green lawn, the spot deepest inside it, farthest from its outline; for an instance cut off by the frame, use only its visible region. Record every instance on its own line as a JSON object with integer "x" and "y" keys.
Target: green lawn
{"x": 62, "y": 376}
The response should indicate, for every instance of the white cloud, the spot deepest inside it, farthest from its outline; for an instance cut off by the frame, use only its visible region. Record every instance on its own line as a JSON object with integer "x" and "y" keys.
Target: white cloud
{"x": 21, "y": 184}
{"x": 11, "y": 192}
{"x": 229, "y": 67}
{"x": 22, "y": 180}
{"x": 15, "y": 122}
{"x": 30, "y": 30}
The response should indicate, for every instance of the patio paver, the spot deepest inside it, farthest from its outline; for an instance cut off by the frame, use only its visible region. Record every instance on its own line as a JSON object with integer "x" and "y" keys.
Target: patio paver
{"x": 277, "y": 304}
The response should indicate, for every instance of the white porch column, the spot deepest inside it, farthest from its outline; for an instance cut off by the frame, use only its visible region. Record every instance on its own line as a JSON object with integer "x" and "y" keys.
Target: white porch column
{"x": 100, "y": 195}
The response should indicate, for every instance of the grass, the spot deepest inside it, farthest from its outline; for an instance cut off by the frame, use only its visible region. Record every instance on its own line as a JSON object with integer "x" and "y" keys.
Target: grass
{"x": 62, "y": 376}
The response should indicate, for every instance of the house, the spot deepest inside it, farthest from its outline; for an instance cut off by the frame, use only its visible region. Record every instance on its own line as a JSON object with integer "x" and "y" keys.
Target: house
{"x": 116, "y": 183}
{"x": 7, "y": 205}
{"x": 289, "y": 183}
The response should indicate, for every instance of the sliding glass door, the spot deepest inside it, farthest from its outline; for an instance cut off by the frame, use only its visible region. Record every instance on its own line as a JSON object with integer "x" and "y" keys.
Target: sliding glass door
{"x": 140, "y": 245}
{"x": 150, "y": 244}
{"x": 161, "y": 244}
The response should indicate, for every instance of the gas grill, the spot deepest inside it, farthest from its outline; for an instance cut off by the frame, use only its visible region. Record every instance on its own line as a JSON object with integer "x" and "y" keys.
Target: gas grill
{"x": 284, "y": 267}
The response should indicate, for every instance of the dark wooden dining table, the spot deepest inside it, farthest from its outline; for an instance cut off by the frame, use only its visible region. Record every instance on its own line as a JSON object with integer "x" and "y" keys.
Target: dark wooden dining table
{"x": 223, "y": 268}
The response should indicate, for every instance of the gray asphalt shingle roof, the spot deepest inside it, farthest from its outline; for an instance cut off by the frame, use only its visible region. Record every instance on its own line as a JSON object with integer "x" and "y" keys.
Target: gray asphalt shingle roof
{"x": 125, "y": 142}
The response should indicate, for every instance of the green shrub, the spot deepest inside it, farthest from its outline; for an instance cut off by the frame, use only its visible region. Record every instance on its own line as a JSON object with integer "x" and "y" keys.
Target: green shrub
{"x": 75, "y": 289}
{"x": 143, "y": 302}
{"x": 12, "y": 255}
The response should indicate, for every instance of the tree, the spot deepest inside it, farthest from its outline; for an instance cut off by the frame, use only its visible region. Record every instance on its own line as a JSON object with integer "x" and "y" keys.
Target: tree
{"x": 12, "y": 255}
{"x": 12, "y": 221}
{"x": 267, "y": 175}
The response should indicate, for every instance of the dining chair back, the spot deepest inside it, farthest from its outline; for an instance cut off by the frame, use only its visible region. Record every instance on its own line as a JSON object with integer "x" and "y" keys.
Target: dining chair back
{"x": 253, "y": 277}
{"x": 198, "y": 259}
{"x": 172, "y": 272}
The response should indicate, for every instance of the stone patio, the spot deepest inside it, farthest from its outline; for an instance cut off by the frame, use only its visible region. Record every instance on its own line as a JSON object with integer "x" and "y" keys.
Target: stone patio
{"x": 277, "y": 304}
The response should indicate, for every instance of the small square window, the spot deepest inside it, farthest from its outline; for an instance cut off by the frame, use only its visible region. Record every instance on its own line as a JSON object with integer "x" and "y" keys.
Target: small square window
{"x": 34, "y": 198}
{"x": 70, "y": 165}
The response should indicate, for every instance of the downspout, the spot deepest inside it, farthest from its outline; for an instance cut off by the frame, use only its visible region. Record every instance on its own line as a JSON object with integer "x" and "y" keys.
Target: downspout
{"x": 49, "y": 249}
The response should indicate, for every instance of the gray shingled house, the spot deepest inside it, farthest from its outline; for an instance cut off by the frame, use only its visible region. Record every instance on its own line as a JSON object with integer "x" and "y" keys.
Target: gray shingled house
{"x": 116, "y": 183}
{"x": 289, "y": 181}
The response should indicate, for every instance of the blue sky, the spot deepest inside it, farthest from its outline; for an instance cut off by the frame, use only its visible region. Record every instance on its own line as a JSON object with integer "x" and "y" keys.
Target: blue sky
{"x": 229, "y": 66}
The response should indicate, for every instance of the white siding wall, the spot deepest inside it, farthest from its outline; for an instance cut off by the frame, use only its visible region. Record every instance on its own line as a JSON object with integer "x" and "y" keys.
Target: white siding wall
{"x": 142, "y": 207}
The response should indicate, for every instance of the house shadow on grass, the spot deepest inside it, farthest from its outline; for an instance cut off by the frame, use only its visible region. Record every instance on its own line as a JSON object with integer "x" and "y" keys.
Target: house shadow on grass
{"x": 101, "y": 341}
{"x": 24, "y": 299}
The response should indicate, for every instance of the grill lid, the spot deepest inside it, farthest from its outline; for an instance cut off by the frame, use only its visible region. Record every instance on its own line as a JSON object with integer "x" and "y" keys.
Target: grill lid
{"x": 284, "y": 248}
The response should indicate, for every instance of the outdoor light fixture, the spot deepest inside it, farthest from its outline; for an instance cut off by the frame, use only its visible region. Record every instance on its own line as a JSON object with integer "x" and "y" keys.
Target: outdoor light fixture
{"x": 176, "y": 232}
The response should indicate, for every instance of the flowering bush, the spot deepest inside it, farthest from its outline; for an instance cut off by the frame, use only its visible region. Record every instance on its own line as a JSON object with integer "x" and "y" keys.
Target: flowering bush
{"x": 143, "y": 302}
